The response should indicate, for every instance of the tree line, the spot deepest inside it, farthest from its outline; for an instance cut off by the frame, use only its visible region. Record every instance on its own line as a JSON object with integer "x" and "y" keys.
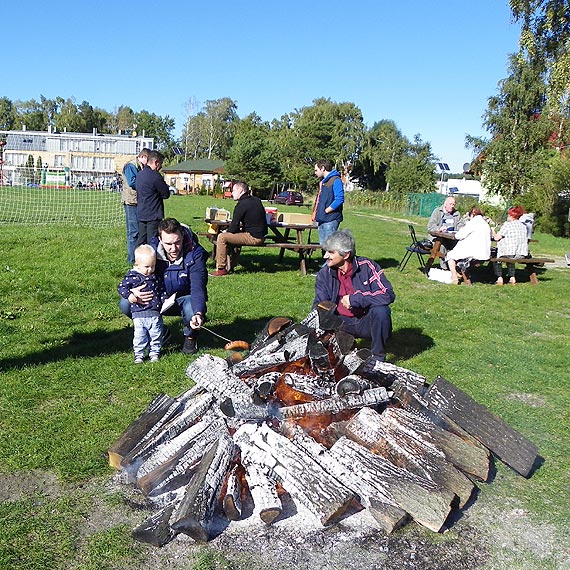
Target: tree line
{"x": 261, "y": 153}
{"x": 525, "y": 157}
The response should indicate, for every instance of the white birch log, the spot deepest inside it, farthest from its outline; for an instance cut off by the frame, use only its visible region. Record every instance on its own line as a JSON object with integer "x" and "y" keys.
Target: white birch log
{"x": 214, "y": 375}
{"x": 192, "y": 410}
{"x": 178, "y": 445}
{"x": 380, "y": 503}
{"x": 296, "y": 471}
{"x": 232, "y": 500}
{"x": 405, "y": 440}
{"x": 139, "y": 429}
{"x": 263, "y": 491}
{"x": 422, "y": 499}
{"x": 351, "y": 384}
{"x": 370, "y": 397}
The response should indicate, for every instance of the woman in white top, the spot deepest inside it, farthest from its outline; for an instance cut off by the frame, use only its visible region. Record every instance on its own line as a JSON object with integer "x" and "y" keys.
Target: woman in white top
{"x": 473, "y": 242}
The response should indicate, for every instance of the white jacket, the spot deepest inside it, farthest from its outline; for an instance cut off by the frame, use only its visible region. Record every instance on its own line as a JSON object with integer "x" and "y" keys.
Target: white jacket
{"x": 474, "y": 241}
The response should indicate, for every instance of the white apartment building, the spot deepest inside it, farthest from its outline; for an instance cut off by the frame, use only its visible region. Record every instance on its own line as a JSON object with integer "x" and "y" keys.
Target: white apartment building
{"x": 67, "y": 159}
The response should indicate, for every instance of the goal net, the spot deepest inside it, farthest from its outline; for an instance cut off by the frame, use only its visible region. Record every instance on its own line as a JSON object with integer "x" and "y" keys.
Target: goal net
{"x": 45, "y": 206}
{"x": 63, "y": 178}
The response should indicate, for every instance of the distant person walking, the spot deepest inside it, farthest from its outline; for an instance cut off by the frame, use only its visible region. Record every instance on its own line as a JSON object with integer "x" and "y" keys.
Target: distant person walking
{"x": 327, "y": 211}
{"x": 152, "y": 190}
{"x": 129, "y": 199}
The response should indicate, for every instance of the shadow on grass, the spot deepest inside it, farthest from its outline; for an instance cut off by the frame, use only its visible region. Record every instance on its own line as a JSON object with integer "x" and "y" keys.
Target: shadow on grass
{"x": 102, "y": 342}
{"x": 408, "y": 342}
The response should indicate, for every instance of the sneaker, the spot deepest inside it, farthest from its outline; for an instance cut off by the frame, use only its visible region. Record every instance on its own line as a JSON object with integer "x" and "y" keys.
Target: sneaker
{"x": 190, "y": 346}
{"x": 139, "y": 359}
{"x": 154, "y": 357}
{"x": 220, "y": 273}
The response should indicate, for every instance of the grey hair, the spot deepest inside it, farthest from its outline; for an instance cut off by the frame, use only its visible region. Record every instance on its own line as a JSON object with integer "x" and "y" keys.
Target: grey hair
{"x": 341, "y": 241}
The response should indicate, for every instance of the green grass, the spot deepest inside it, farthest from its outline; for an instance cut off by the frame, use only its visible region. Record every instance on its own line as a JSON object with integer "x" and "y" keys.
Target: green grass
{"x": 68, "y": 387}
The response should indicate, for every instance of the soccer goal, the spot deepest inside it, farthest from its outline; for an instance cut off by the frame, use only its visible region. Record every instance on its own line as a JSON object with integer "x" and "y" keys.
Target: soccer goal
{"x": 46, "y": 196}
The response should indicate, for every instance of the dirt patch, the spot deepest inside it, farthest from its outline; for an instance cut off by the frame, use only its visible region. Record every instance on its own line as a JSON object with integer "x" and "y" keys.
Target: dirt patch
{"x": 484, "y": 536}
{"x": 531, "y": 400}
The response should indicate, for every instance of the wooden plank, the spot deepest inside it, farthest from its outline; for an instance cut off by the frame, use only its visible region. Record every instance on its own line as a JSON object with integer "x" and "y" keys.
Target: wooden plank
{"x": 494, "y": 433}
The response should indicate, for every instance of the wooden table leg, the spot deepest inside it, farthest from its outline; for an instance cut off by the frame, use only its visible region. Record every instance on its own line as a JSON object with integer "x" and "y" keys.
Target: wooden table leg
{"x": 433, "y": 255}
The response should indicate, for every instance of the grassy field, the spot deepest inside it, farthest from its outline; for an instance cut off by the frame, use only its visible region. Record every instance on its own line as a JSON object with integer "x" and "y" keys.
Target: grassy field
{"x": 68, "y": 387}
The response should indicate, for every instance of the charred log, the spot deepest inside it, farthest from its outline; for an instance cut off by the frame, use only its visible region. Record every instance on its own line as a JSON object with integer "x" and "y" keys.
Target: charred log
{"x": 194, "y": 513}
{"x": 506, "y": 443}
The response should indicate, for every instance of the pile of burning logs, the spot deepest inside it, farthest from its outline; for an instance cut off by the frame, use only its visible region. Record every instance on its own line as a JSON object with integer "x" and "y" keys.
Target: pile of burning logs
{"x": 308, "y": 415}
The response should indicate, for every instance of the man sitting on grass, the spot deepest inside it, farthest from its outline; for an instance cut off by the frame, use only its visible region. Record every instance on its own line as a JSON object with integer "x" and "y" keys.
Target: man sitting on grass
{"x": 360, "y": 290}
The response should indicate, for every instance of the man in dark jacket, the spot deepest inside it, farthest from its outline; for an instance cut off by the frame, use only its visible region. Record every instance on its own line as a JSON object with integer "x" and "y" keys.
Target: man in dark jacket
{"x": 327, "y": 211}
{"x": 248, "y": 226}
{"x": 181, "y": 262}
{"x": 360, "y": 290}
{"x": 152, "y": 190}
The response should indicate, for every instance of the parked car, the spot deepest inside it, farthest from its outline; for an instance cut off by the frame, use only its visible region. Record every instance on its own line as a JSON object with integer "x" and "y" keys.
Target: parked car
{"x": 289, "y": 197}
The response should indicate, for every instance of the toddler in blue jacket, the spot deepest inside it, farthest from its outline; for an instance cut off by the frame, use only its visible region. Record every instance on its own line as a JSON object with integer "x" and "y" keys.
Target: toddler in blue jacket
{"x": 147, "y": 319}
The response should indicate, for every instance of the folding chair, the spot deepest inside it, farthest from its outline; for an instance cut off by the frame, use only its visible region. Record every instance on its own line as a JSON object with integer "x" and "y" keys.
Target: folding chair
{"x": 414, "y": 247}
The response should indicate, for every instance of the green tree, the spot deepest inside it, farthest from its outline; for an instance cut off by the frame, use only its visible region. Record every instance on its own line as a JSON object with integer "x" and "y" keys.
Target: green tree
{"x": 160, "y": 128}
{"x": 384, "y": 146}
{"x": 323, "y": 130}
{"x": 209, "y": 131}
{"x": 413, "y": 170}
{"x": 6, "y": 114}
{"x": 254, "y": 156}
{"x": 519, "y": 130}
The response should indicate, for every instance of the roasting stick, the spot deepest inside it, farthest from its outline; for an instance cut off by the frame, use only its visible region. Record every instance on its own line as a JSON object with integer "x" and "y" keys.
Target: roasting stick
{"x": 231, "y": 344}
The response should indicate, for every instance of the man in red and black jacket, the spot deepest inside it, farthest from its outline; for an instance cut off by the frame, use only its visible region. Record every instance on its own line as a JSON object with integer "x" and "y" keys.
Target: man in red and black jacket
{"x": 360, "y": 290}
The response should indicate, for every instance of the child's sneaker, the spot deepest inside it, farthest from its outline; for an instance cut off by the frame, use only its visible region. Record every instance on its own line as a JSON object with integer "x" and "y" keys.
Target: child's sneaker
{"x": 139, "y": 359}
{"x": 154, "y": 357}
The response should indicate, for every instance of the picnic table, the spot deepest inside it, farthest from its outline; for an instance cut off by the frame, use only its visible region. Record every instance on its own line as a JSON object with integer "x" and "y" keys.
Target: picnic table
{"x": 283, "y": 236}
{"x": 530, "y": 262}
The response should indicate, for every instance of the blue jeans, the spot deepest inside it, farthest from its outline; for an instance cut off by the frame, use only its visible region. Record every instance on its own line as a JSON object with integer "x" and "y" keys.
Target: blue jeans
{"x": 182, "y": 306}
{"x": 148, "y": 333}
{"x": 325, "y": 229}
{"x": 132, "y": 231}
{"x": 375, "y": 325}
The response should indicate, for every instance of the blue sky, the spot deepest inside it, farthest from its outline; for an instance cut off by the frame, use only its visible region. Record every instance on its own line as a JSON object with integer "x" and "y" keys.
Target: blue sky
{"x": 428, "y": 66}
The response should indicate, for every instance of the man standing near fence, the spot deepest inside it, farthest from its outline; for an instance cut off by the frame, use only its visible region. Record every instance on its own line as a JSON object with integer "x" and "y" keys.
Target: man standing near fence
{"x": 327, "y": 211}
{"x": 129, "y": 199}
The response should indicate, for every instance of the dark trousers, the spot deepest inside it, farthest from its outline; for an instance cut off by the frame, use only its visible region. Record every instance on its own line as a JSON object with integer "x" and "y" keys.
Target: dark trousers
{"x": 375, "y": 325}
{"x": 147, "y": 230}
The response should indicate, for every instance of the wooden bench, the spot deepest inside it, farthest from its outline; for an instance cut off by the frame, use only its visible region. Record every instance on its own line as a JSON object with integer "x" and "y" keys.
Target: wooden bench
{"x": 304, "y": 250}
{"x": 531, "y": 263}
